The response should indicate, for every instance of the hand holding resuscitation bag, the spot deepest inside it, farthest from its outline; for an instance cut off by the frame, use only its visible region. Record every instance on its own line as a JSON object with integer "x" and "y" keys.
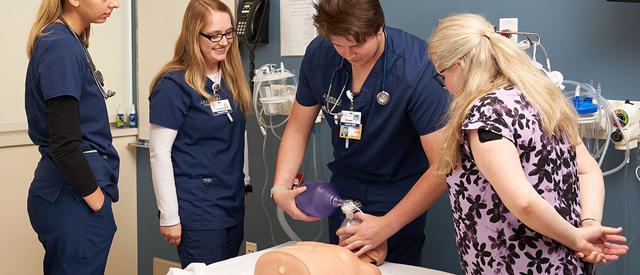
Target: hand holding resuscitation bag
{"x": 320, "y": 199}
{"x": 313, "y": 258}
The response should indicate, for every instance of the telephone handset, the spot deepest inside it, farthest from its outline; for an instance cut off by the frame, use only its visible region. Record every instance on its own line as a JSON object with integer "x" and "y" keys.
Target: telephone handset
{"x": 253, "y": 21}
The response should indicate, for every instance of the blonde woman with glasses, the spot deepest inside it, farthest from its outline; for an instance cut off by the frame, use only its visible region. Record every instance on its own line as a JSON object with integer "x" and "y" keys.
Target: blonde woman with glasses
{"x": 527, "y": 197}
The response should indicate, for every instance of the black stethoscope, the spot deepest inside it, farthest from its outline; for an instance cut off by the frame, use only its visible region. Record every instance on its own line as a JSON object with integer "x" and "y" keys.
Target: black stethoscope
{"x": 382, "y": 97}
{"x": 95, "y": 73}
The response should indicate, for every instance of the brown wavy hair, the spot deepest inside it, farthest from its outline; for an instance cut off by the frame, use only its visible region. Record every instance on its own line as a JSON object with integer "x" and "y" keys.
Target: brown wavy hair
{"x": 357, "y": 18}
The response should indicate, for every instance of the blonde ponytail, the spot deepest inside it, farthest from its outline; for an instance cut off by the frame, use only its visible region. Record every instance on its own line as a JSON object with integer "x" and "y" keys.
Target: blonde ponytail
{"x": 491, "y": 61}
{"x": 48, "y": 12}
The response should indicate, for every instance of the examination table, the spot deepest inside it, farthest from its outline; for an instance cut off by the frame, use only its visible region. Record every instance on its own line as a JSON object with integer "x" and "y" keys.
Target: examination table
{"x": 244, "y": 265}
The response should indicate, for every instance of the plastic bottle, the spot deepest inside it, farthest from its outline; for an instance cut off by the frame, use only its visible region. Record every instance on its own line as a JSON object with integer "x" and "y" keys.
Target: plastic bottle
{"x": 120, "y": 117}
{"x": 131, "y": 117}
{"x": 349, "y": 208}
{"x": 320, "y": 199}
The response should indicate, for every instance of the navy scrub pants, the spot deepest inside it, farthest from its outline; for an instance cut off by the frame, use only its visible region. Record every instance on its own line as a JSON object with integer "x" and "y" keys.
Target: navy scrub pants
{"x": 76, "y": 240}
{"x": 210, "y": 246}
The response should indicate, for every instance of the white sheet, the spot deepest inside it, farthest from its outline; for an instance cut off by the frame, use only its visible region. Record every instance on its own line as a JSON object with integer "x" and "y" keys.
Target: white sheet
{"x": 244, "y": 265}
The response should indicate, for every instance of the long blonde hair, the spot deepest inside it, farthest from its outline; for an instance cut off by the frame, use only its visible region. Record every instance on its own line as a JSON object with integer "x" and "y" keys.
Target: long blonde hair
{"x": 187, "y": 55}
{"x": 491, "y": 61}
{"x": 48, "y": 12}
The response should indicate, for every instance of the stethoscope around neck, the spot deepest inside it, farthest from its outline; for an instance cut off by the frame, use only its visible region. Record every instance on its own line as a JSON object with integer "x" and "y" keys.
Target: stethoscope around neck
{"x": 382, "y": 97}
{"x": 95, "y": 73}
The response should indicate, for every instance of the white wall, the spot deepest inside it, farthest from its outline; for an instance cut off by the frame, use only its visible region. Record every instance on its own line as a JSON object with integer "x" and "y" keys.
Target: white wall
{"x": 158, "y": 28}
{"x": 110, "y": 47}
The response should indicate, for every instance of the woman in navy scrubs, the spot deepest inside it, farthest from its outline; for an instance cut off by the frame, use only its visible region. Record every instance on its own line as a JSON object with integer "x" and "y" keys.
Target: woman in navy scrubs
{"x": 75, "y": 182}
{"x": 374, "y": 83}
{"x": 198, "y": 103}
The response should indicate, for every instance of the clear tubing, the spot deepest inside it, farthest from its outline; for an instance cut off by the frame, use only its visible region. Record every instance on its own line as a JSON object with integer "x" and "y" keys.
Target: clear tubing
{"x": 315, "y": 173}
{"x": 638, "y": 161}
{"x": 319, "y": 232}
{"x": 286, "y": 227}
{"x": 279, "y": 213}
{"x": 627, "y": 152}
{"x": 546, "y": 56}
{"x": 271, "y": 126}
{"x": 264, "y": 190}
{"x": 255, "y": 105}
{"x": 599, "y": 93}
{"x": 609, "y": 112}
{"x": 600, "y": 154}
{"x": 315, "y": 163}
{"x": 273, "y": 129}
{"x": 603, "y": 151}
{"x": 263, "y": 123}
{"x": 626, "y": 214}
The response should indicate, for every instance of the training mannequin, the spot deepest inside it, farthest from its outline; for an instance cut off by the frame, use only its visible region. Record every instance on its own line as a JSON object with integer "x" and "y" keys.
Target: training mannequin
{"x": 314, "y": 258}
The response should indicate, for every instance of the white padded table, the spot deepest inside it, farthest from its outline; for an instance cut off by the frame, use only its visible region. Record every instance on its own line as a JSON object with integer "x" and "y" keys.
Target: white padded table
{"x": 245, "y": 264}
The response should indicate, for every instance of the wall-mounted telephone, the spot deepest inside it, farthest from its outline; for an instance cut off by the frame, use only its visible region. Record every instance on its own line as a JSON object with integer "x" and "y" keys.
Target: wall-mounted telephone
{"x": 253, "y": 21}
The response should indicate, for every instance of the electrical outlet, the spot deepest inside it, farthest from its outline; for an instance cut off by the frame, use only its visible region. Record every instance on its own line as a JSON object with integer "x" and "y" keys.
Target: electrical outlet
{"x": 250, "y": 247}
{"x": 510, "y": 24}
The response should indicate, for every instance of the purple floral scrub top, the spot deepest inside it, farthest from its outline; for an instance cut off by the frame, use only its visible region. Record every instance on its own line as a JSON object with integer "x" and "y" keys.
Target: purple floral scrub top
{"x": 490, "y": 239}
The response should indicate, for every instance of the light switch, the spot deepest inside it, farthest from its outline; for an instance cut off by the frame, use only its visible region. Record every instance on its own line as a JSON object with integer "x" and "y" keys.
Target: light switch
{"x": 510, "y": 24}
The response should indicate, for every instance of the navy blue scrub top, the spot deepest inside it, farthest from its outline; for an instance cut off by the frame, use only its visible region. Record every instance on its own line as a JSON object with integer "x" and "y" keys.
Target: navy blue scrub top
{"x": 58, "y": 67}
{"x": 390, "y": 149}
{"x": 207, "y": 154}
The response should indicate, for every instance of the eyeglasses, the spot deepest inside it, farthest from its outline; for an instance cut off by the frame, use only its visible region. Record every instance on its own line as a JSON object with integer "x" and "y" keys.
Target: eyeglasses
{"x": 440, "y": 78}
{"x": 217, "y": 37}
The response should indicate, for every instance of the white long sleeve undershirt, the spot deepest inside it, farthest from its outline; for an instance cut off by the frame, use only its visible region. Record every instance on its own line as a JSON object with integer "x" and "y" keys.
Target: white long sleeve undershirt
{"x": 160, "y": 143}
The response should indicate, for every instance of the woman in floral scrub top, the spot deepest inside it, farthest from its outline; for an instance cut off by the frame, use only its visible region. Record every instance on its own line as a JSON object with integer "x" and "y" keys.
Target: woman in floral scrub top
{"x": 527, "y": 196}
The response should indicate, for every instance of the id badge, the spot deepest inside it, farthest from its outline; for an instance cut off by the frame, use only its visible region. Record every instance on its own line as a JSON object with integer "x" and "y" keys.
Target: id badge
{"x": 349, "y": 132}
{"x": 350, "y": 125}
{"x": 350, "y": 118}
{"x": 221, "y": 107}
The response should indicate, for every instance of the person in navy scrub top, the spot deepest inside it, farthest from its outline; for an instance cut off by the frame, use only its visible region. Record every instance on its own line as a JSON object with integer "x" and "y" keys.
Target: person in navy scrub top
{"x": 198, "y": 104}
{"x": 374, "y": 83}
{"x": 75, "y": 182}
